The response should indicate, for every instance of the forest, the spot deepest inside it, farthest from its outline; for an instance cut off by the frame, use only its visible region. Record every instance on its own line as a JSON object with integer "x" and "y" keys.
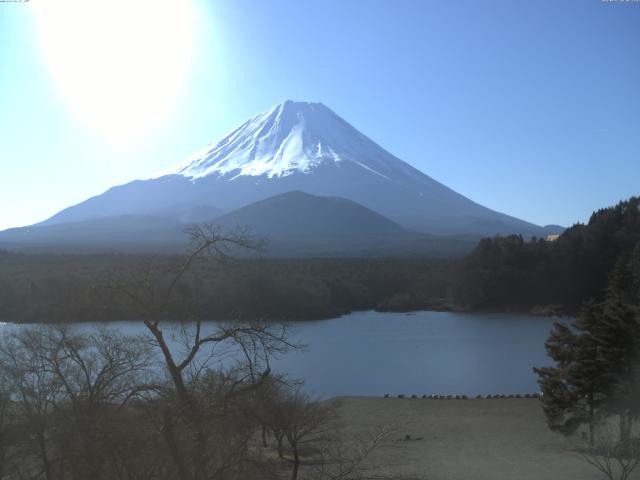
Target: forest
{"x": 511, "y": 273}
{"x": 71, "y": 288}
{"x": 500, "y": 274}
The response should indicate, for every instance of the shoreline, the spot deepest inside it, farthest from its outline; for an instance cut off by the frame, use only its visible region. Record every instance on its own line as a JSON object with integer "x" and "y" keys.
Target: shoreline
{"x": 312, "y": 318}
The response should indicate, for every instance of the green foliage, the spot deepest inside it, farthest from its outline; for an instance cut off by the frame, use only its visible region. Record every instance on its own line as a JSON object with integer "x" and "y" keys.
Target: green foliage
{"x": 597, "y": 370}
{"x": 576, "y": 388}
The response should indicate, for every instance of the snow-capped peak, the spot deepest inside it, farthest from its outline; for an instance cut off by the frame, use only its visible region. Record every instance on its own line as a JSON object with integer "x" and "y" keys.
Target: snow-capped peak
{"x": 292, "y": 137}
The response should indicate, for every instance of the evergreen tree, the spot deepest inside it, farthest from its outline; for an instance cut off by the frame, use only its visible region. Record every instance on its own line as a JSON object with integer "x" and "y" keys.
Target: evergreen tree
{"x": 617, "y": 334}
{"x": 575, "y": 390}
{"x": 597, "y": 370}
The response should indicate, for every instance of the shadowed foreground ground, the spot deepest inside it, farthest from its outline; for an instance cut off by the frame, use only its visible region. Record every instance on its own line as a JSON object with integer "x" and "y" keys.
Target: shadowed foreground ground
{"x": 466, "y": 439}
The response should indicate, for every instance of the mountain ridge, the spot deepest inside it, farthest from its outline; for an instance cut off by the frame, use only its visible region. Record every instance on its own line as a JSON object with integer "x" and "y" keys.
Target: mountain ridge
{"x": 302, "y": 146}
{"x": 295, "y": 224}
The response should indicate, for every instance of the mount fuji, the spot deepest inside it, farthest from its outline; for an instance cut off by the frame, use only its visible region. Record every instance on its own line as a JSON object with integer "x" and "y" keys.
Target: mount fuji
{"x": 295, "y": 147}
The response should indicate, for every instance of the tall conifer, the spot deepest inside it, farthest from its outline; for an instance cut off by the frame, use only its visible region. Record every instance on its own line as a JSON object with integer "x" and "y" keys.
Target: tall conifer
{"x": 597, "y": 370}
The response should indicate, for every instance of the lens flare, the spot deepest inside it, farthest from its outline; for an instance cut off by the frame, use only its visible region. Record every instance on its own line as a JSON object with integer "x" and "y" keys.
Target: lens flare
{"x": 120, "y": 64}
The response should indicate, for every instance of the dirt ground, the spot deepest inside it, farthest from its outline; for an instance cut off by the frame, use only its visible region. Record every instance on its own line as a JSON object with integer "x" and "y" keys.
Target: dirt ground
{"x": 479, "y": 439}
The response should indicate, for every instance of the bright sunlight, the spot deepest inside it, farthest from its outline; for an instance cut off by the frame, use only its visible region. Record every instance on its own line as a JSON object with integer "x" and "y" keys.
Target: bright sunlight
{"x": 121, "y": 65}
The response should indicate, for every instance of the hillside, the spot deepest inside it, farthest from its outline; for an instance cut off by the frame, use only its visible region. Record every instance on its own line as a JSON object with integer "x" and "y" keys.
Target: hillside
{"x": 295, "y": 224}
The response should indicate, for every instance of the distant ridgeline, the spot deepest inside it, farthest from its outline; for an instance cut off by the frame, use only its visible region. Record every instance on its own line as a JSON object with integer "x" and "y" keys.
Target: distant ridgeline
{"x": 501, "y": 273}
{"x": 558, "y": 275}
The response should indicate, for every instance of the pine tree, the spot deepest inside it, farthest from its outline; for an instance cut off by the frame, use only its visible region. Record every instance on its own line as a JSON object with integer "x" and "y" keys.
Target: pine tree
{"x": 597, "y": 370}
{"x": 575, "y": 390}
{"x": 617, "y": 334}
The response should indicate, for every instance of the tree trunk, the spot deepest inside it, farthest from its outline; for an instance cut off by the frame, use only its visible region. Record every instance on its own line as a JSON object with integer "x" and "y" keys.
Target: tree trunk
{"x": 296, "y": 463}
{"x": 591, "y": 421}
{"x": 176, "y": 455}
{"x": 45, "y": 458}
{"x": 625, "y": 428}
{"x": 280, "y": 439}
{"x": 174, "y": 371}
{"x": 201, "y": 457}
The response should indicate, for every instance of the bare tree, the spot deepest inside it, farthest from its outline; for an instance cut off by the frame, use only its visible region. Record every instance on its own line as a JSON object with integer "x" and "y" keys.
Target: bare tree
{"x": 64, "y": 388}
{"x": 344, "y": 459}
{"x": 188, "y": 401}
{"x": 306, "y": 423}
{"x": 7, "y": 432}
{"x": 614, "y": 459}
{"x": 34, "y": 392}
{"x": 309, "y": 434}
{"x": 193, "y": 418}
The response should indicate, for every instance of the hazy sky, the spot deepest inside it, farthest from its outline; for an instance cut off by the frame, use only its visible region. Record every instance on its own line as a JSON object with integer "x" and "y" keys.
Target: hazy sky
{"x": 531, "y": 108}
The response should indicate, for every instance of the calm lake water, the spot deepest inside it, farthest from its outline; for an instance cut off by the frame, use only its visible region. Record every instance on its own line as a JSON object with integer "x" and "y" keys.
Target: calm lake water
{"x": 371, "y": 353}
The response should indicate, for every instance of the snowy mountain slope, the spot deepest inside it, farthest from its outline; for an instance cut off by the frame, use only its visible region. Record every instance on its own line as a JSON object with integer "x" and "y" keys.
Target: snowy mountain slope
{"x": 300, "y": 146}
{"x": 293, "y": 137}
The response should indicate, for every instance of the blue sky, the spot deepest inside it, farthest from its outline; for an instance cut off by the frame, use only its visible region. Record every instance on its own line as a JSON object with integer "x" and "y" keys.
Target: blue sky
{"x": 529, "y": 108}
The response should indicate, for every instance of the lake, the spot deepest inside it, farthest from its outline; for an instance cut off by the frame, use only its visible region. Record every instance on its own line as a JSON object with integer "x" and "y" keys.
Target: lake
{"x": 372, "y": 353}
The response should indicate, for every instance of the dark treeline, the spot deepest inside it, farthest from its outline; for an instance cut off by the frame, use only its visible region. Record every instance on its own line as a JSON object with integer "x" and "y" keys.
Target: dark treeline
{"x": 41, "y": 288}
{"x": 511, "y": 273}
{"x": 502, "y": 273}
{"x": 594, "y": 386}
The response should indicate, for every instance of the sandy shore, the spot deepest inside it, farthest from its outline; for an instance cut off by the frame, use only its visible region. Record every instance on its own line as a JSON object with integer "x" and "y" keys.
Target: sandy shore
{"x": 465, "y": 439}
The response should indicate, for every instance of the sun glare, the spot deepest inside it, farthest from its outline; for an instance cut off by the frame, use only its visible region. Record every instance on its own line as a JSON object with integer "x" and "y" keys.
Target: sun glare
{"x": 120, "y": 64}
